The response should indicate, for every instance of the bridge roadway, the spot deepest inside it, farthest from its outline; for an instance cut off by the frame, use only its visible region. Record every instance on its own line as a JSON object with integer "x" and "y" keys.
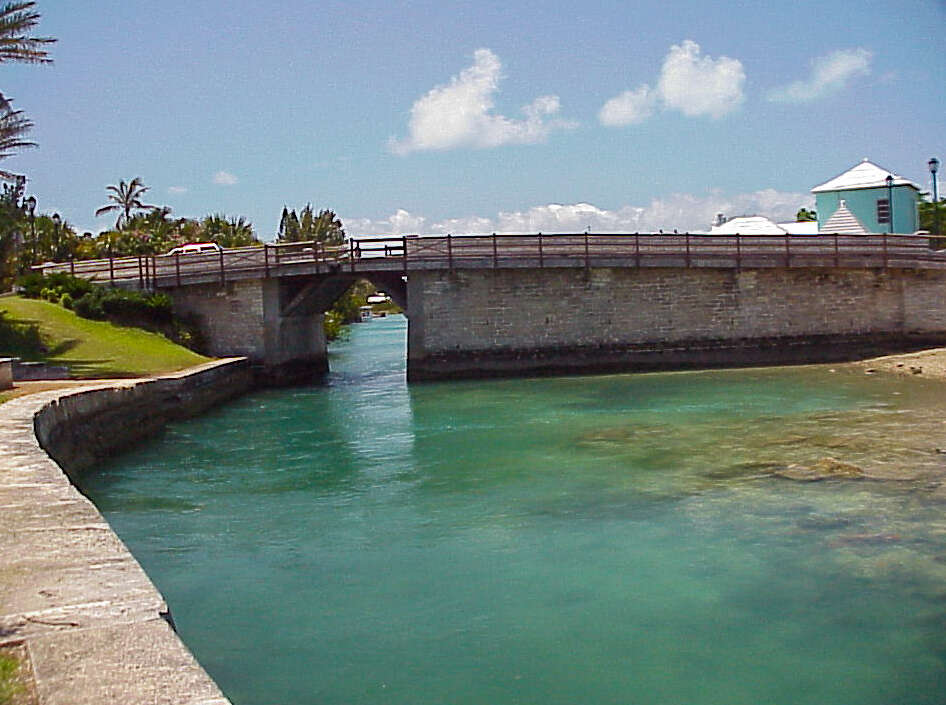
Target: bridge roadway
{"x": 401, "y": 255}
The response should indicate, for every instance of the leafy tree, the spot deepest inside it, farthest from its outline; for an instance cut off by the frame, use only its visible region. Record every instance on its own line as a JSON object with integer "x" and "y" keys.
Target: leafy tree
{"x": 289, "y": 228}
{"x": 324, "y": 227}
{"x": 805, "y": 216}
{"x": 126, "y": 199}
{"x": 932, "y": 215}
{"x": 235, "y": 231}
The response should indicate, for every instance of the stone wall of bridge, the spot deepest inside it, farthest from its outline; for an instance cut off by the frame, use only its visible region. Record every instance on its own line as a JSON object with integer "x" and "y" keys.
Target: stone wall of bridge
{"x": 534, "y": 321}
{"x": 246, "y": 318}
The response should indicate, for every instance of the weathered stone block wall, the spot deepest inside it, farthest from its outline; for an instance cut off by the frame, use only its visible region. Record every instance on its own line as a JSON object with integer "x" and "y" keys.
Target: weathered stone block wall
{"x": 245, "y": 318}
{"x": 230, "y": 316}
{"x": 80, "y": 428}
{"x": 519, "y": 320}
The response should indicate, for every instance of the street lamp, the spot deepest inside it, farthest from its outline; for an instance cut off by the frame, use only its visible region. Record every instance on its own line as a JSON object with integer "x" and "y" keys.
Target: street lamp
{"x": 30, "y": 204}
{"x": 889, "y": 181}
{"x": 57, "y": 224}
{"x": 933, "y": 164}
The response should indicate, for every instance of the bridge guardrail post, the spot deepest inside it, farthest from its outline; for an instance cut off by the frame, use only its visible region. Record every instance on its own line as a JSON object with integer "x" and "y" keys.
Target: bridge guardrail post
{"x": 738, "y": 252}
{"x": 837, "y": 254}
{"x": 450, "y": 252}
{"x": 788, "y": 255}
{"x": 141, "y": 274}
{"x": 223, "y": 277}
{"x": 111, "y": 270}
{"x": 637, "y": 250}
{"x": 587, "y": 262}
{"x": 266, "y": 260}
{"x": 686, "y": 237}
{"x": 495, "y": 253}
{"x": 541, "y": 261}
{"x": 404, "y": 253}
{"x": 177, "y": 266}
{"x": 885, "y": 250}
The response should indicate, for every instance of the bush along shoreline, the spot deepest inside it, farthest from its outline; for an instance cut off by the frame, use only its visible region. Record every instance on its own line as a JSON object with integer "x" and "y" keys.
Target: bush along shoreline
{"x": 151, "y": 311}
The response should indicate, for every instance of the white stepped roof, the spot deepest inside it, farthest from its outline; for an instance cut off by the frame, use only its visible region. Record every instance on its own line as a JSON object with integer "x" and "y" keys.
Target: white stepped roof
{"x": 864, "y": 175}
{"x": 843, "y": 222}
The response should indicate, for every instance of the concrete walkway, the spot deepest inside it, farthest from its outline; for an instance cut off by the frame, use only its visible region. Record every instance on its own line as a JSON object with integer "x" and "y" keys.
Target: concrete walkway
{"x": 92, "y": 622}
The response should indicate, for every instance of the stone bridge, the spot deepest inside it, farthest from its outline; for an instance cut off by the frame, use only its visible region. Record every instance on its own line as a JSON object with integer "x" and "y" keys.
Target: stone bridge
{"x": 542, "y": 304}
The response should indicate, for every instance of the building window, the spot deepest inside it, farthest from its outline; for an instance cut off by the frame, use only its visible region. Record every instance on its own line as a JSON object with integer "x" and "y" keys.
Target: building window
{"x": 883, "y": 210}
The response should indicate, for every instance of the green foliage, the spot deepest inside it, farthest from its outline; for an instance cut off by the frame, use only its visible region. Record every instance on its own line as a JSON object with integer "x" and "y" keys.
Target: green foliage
{"x": 19, "y": 338}
{"x": 933, "y": 216}
{"x": 33, "y": 284}
{"x": 324, "y": 227}
{"x": 125, "y": 200}
{"x": 347, "y": 309}
{"x": 804, "y": 215}
{"x": 125, "y": 307}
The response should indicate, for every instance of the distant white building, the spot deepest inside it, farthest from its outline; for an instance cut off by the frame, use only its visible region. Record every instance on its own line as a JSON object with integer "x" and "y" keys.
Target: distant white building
{"x": 760, "y": 225}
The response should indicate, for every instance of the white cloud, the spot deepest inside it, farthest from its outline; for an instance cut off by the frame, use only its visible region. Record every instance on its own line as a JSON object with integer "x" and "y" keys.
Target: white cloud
{"x": 681, "y": 211}
{"x": 460, "y": 113}
{"x": 829, "y": 74}
{"x": 629, "y": 107}
{"x": 177, "y": 189}
{"x": 225, "y": 178}
{"x": 693, "y": 84}
{"x": 700, "y": 85}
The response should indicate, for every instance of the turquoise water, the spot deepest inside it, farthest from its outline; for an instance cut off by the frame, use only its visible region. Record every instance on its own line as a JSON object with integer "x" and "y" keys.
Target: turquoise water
{"x": 617, "y": 539}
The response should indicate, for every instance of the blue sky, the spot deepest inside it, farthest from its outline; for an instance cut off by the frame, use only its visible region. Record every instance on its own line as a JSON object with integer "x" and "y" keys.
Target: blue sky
{"x": 477, "y": 116}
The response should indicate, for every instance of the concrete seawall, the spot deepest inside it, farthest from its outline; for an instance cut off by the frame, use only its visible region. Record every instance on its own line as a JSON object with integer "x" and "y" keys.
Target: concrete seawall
{"x": 95, "y": 627}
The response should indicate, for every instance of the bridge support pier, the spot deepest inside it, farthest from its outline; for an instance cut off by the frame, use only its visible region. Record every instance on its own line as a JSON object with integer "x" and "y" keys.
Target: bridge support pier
{"x": 253, "y": 318}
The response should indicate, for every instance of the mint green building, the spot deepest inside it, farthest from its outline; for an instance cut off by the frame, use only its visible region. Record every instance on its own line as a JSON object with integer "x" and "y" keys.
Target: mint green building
{"x": 858, "y": 202}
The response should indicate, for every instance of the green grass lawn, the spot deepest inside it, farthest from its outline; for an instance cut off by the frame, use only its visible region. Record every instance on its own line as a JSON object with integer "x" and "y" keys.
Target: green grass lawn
{"x": 91, "y": 349}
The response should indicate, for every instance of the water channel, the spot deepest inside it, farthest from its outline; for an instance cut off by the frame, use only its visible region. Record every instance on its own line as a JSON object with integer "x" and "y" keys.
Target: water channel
{"x": 566, "y": 541}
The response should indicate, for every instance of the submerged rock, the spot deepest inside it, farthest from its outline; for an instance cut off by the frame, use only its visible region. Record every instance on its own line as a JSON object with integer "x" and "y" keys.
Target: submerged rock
{"x": 824, "y": 469}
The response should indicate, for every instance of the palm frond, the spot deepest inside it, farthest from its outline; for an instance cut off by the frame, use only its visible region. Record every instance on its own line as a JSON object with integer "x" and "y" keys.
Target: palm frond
{"x": 16, "y": 19}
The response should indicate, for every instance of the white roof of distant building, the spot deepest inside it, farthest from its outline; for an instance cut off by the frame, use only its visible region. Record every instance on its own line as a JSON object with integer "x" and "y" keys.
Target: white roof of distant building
{"x": 844, "y": 222}
{"x": 864, "y": 175}
{"x": 747, "y": 225}
{"x": 801, "y": 227}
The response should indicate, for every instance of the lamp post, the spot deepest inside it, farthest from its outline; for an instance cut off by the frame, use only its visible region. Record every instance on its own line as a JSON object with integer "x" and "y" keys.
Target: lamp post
{"x": 889, "y": 181}
{"x": 31, "y": 211}
{"x": 933, "y": 164}
{"x": 57, "y": 224}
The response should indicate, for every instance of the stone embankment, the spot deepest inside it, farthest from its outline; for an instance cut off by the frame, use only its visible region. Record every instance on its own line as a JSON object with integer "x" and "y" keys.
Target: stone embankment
{"x": 94, "y": 626}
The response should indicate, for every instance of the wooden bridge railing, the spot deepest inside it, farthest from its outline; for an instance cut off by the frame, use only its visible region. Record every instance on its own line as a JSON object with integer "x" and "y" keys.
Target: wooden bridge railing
{"x": 495, "y": 251}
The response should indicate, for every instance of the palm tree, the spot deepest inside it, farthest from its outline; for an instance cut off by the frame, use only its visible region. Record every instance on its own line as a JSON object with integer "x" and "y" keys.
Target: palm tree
{"x": 16, "y": 19}
{"x": 126, "y": 199}
{"x": 13, "y": 128}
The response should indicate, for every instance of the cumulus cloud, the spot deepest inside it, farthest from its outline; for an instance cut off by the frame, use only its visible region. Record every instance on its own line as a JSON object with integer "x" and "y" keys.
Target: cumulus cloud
{"x": 693, "y": 84}
{"x": 225, "y": 178}
{"x": 829, "y": 74}
{"x": 460, "y": 113}
{"x": 700, "y": 85}
{"x": 629, "y": 107}
{"x": 685, "y": 212}
{"x": 177, "y": 189}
